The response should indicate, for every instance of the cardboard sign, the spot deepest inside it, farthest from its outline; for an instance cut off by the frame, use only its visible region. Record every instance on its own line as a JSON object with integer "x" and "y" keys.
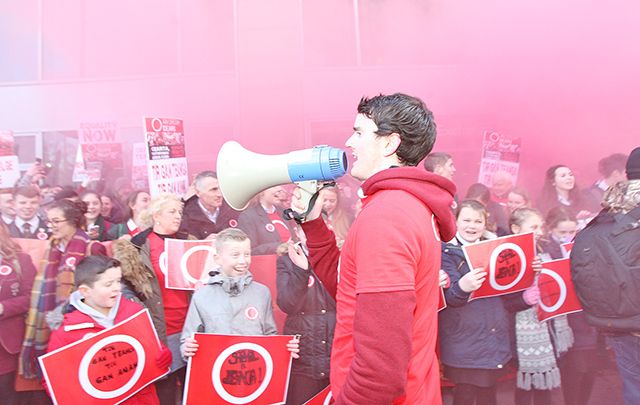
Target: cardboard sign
{"x": 557, "y": 294}
{"x": 9, "y": 171}
{"x": 507, "y": 261}
{"x": 6, "y": 143}
{"x": 106, "y": 368}
{"x": 100, "y": 142}
{"x": 139, "y": 175}
{"x": 188, "y": 262}
{"x": 229, "y": 369}
{"x": 166, "y": 156}
{"x": 322, "y": 398}
{"x": 500, "y": 153}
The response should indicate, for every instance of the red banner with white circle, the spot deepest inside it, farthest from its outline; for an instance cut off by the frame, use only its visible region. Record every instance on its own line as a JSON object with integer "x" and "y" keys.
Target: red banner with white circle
{"x": 106, "y": 368}
{"x": 507, "y": 261}
{"x": 188, "y": 262}
{"x": 557, "y": 294}
{"x": 322, "y": 398}
{"x": 230, "y": 369}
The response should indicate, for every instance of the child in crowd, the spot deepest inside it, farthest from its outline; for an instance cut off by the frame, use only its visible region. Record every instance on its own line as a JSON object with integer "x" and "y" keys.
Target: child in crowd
{"x": 475, "y": 338}
{"x": 231, "y": 302}
{"x": 538, "y": 343}
{"x": 97, "y": 305}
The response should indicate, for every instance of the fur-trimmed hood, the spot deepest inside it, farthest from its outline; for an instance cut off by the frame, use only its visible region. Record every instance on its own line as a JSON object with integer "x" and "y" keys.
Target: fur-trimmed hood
{"x": 133, "y": 269}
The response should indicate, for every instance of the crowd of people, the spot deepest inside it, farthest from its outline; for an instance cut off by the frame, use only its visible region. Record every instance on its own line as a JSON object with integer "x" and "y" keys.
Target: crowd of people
{"x": 371, "y": 332}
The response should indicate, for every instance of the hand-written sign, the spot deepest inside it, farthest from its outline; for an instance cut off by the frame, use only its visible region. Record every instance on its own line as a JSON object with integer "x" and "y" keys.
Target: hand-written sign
{"x": 507, "y": 261}
{"x": 188, "y": 262}
{"x": 105, "y": 368}
{"x": 557, "y": 294}
{"x": 238, "y": 370}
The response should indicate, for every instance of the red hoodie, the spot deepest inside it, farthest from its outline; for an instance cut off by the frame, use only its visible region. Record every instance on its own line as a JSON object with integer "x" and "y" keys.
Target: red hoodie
{"x": 387, "y": 295}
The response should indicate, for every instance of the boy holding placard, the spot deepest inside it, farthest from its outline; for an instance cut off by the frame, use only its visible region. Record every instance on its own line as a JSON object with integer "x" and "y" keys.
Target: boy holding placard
{"x": 231, "y": 302}
{"x": 97, "y": 305}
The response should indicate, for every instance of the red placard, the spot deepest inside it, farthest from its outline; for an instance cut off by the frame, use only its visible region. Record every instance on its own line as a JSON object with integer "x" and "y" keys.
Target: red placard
{"x": 229, "y": 369}
{"x": 566, "y": 247}
{"x": 507, "y": 261}
{"x": 188, "y": 262}
{"x": 442, "y": 303}
{"x": 557, "y": 294}
{"x": 105, "y": 368}
{"x": 321, "y": 398}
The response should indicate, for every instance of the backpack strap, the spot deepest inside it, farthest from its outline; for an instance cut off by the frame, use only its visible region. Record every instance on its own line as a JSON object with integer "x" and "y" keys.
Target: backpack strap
{"x": 627, "y": 222}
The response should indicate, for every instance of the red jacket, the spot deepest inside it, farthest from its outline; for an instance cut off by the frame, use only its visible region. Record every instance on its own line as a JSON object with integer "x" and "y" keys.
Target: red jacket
{"x": 387, "y": 295}
{"x": 60, "y": 337}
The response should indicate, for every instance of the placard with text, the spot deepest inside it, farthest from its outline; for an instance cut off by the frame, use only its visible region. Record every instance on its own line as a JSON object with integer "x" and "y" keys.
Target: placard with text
{"x": 188, "y": 262}
{"x": 230, "y": 369}
{"x": 321, "y": 398}
{"x": 166, "y": 155}
{"x": 557, "y": 294}
{"x": 106, "y": 368}
{"x": 507, "y": 261}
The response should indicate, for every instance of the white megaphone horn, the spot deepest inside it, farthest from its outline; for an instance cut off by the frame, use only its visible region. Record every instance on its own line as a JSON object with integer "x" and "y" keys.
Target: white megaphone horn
{"x": 242, "y": 174}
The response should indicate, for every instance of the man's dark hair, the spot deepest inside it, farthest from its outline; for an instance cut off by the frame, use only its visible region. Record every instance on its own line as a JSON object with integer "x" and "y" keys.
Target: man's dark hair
{"x": 435, "y": 159}
{"x": 66, "y": 192}
{"x": 408, "y": 117}
{"x": 607, "y": 165}
{"x": 479, "y": 192}
{"x": 91, "y": 267}
{"x": 27, "y": 191}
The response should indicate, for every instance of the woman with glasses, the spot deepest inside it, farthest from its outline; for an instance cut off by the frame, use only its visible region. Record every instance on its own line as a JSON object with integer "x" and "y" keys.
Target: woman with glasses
{"x": 16, "y": 278}
{"x": 54, "y": 282}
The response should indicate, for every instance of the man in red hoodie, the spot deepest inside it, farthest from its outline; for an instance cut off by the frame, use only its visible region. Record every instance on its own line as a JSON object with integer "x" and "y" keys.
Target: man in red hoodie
{"x": 387, "y": 288}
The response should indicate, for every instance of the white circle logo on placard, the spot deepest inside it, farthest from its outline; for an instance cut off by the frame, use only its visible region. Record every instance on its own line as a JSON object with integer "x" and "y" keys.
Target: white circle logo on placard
{"x": 5, "y": 270}
{"x": 327, "y": 400}
{"x": 70, "y": 262}
{"x": 311, "y": 282}
{"x": 492, "y": 265}
{"x": 185, "y": 257}
{"x": 217, "y": 368}
{"x": 83, "y": 370}
{"x": 156, "y": 124}
{"x": 563, "y": 291}
{"x": 163, "y": 262}
{"x": 251, "y": 313}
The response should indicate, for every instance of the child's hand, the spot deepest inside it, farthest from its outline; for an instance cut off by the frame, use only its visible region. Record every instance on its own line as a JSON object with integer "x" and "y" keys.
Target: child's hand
{"x": 294, "y": 347}
{"x": 472, "y": 280}
{"x": 531, "y": 295}
{"x": 536, "y": 263}
{"x": 190, "y": 347}
{"x": 297, "y": 256}
{"x": 445, "y": 281}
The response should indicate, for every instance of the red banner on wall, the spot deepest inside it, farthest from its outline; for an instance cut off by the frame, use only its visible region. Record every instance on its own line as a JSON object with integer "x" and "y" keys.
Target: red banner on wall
{"x": 106, "y": 368}
{"x": 557, "y": 294}
{"x": 229, "y": 369}
{"x": 188, "y": 262}
{"x": 507, "y": 261}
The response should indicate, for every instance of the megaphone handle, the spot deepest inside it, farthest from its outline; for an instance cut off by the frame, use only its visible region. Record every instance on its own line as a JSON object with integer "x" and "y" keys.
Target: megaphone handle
{"x": 308, "y": 197}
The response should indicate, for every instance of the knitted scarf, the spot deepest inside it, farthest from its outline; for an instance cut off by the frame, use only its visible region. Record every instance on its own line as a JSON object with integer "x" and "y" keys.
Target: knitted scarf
{"x": 52, "y": 286}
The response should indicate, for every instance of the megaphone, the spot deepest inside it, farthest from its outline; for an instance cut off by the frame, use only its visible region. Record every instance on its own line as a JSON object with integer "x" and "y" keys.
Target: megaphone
{"x": 242, "y": 174}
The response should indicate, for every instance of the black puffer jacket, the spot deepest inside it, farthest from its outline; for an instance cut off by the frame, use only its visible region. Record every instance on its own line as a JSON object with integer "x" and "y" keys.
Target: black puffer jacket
{"x": 196, "y": 223}
{"x": 311, "y": 313}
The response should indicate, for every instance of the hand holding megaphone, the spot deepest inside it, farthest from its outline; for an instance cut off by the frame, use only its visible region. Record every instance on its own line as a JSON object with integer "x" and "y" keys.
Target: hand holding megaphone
{"x": 242, "y": 174}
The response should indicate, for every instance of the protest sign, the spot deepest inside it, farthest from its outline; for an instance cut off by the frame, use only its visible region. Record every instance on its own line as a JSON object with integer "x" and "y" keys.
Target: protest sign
{"x": 566, "y": 248}
{"x": 7, "y": 142}
{"x": 188, "y": 262}
{"x": 507, "y": 261}
{"x": 9, "y": 171}
{"x": 166, "y": 156}
{"x": 557, "y": 294}
{"x": 106, "y": 368}
{"x": 500, "y": 153}
{"x": 139, "y": 175}
{"x": 321, "y": 398}
{"x": 230, "y": 369}
{"x": 442, "y": 303}
{"x": 100, "y": 142}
